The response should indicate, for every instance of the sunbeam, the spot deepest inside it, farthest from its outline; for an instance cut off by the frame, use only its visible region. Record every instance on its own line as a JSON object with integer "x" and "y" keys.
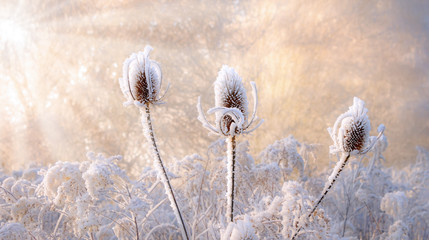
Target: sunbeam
{"x": 61, "y": 61}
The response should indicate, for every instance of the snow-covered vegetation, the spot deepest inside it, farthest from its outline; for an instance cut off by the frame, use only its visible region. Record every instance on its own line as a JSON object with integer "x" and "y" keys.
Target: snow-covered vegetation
{"x": 59, "y": 71}
{"x": 95, "y": 199}
{"x": 276, "y": 193}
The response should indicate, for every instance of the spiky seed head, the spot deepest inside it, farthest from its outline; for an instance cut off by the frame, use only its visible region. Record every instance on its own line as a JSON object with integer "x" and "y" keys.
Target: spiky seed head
{"x": 141, "y": 80}
{"x": 355, "y": 133}
{"x": 353, "y": 129}
{"x": 230, "y": 93}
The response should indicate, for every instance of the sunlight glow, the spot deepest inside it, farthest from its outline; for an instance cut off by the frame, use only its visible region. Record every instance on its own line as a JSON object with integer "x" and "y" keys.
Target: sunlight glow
{"x": 12, "y": 32}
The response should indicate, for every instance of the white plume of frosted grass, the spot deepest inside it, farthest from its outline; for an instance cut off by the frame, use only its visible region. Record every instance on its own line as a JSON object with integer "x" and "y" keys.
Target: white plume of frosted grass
{"x": 350, "y": 135}
{"x": 231, "y": 120}
{"x": 141, "y": 85}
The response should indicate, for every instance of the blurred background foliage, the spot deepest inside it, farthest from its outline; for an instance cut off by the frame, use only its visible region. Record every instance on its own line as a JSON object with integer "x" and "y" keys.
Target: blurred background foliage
{"x": 61, "y": 60}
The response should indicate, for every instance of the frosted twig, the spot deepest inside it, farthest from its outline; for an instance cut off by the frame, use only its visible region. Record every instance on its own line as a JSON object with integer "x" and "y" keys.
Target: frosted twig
{"x": 331, "y": 180}
{"x": 8, "y": 192}
{"x": 149, "y": 134}
{"x": 157, "y": 227}
{"x": 58, "y": 222}
{"x": 152, "y": 210}
{"x": 114, "y": 220}
{"x": 134, "y": 216}
{"x": 231, "y": 178}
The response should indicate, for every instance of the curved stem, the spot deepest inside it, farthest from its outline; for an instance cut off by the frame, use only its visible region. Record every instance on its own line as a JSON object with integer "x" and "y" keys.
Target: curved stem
{"x": 148, "y": 132}
{"x": 231, "y": 178}
{"x": 331, "y": 180}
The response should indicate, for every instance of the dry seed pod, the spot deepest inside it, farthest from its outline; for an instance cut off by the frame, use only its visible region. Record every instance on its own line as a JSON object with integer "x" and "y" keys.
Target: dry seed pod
{"x": 231, "y": 105}
{"x": 142, "y": 79}
{"x": 231, "y": 120}
{"x": 351, "y": 136}
{"x": 351, "y": 130}
{"x": 141, "y": 84}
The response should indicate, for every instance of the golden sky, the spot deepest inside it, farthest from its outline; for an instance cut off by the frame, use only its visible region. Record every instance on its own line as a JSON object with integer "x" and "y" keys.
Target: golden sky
{"x": 61, "y": 61}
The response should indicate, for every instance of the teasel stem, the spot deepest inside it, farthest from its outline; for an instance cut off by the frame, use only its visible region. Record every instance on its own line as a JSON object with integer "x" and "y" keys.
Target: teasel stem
{"x": 149, "y": 134}
{"x": 231, "y": 178}
{"x": 331, "y": 180}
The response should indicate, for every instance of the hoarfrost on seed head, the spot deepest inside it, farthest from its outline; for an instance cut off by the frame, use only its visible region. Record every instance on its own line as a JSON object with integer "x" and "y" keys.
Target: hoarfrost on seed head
{"x": 350, "y": 133}
{"x": 141, "y": 80}
{"x": 231, "y": 105}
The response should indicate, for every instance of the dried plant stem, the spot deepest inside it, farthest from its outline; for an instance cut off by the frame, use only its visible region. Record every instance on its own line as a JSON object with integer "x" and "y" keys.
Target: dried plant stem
{"x": 149, "y": 134}
{"x": 137, "y": 227}
{"x": 58, "y": 222}
{"x": 331, "y": 180}
{"x": 134, "y": 216}
{"x": 372, "y": 216}
{"x": 6, "y": 191}
{"x": 231, "y": 178}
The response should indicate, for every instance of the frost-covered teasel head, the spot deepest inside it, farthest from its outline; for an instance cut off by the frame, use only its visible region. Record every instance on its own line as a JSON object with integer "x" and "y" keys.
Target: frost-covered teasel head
{"x": 230, "y": 92}
{"x": 231, "y": 105}
{"x": 351, "y": 130}
{"x": 142, "y": 79}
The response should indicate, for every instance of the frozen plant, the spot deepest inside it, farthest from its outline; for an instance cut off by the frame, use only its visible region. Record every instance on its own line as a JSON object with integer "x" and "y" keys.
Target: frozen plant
{"x": 242, "y": 230}
{"x": 141, "y": 85}
{"x": 62, "y": 183}
{"x": 231, "y": 112}
{"x": 26, "y": 211}
{"x": 296, "y": 201}
{"x": 284, "y": 153}
{"x": 350, "y": 135}
{"x": 13, "y": 231}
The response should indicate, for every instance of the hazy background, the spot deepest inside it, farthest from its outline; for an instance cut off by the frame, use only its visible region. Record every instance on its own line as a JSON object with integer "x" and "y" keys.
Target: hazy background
{"x": 61, "y": 60}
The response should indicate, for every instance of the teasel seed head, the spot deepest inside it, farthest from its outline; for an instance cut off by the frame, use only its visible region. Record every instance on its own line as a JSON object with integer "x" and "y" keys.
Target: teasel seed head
{"x": 231, "y": 105}
{"x": 351, "y": 130}
{"x": 230, "y": 92}
{"x": 353, "y": 136}
{"x": 142, "y": 79}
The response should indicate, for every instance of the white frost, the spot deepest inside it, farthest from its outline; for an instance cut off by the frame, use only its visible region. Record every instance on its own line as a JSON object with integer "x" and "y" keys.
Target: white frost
{"x": 231, "y": 105}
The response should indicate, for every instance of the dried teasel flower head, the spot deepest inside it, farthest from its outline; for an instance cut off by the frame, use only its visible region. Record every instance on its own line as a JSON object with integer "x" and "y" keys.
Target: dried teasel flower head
{"x": 230, "y": 92}
{"x": 142, "y": 79}
{"x": 231, "y": 105}
{"x": 351, "y": 130}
